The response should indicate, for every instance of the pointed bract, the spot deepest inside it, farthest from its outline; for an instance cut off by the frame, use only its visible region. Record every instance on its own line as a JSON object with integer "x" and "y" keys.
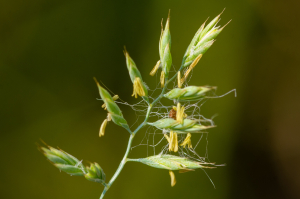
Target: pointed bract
{"x": 171, "y": 162}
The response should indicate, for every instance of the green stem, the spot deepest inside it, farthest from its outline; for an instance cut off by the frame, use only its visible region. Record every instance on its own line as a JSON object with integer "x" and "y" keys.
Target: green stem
{"x": 124, "y": 160}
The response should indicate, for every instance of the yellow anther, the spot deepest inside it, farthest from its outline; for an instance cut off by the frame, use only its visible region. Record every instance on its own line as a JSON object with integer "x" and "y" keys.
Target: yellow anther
{"x": 194, "y": 63}
{"x": 180, "y": 113}
{"x": 104, "y": 106}
{"x": 102, "y": 128}
{"x": 153, "y": 71}
{"x": 115, "y": 97}
{"x": 173, "y": 179}
{"x": 178, "y": 79}
{"x": 167, "y": 137}
{"x": 162, "y": 79}
{"x": 187, "y": 141}
{"x": 173, "y": 141}
{"x": 138, "y": 88}
{"x": 108, "y": 117}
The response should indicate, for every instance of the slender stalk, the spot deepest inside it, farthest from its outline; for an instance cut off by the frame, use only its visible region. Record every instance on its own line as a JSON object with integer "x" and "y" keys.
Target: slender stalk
{"x": 132, "y": 134}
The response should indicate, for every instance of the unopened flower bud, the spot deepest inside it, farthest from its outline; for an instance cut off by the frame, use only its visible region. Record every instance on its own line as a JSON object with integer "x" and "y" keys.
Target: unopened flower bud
{"x": 95, "y": 173}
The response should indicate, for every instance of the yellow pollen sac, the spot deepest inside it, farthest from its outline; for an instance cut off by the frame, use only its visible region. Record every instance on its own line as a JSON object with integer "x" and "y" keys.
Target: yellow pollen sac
{"x": 108, "y": 117}
{"x": 180, "y": 113}
{"x": 167, "y": 137}
{"x": 187, "y": 141}
{"x": 115, "y": 97}
{"x": 104, "y": 106}
{"x": 173, "y": 141}
{"x": 102, "y": 128}
{"x": 162, "y": 79}
{"x": 178, "y": 79}
{"x": 138, "y": 88}
{"x": 173, "y": 179}
{"x": 194, "y": 63}
{"x": 153, "y": 71}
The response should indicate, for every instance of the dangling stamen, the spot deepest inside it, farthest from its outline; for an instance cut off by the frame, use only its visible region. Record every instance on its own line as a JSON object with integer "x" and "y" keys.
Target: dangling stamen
{"x": 115, "y": 97}
{"x": 153, "y": 71}
{"x": 104, "y": 106}
{"x": 102, "y": 128}
{"x": 195, "y": 62}
{"x": 138, "y": 88}
{"x": 173, "y": 180}
{"x": 175, "y": 142}
{"x": 108, "y": 117}
{"x": 180, "y": 113}
{"x": 178, "y": 79}
{"x": 187, "y": 141}
{"x": 171, "y": 141}
{"x": 162, "y": 79}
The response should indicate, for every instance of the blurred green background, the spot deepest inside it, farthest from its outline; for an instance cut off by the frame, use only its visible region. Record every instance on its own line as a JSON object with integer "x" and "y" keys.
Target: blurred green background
{"x": 50, "y": 50}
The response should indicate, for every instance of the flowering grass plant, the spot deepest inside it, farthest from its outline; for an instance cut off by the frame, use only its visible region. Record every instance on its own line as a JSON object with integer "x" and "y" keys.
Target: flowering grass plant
{"x": 177, "y": 128}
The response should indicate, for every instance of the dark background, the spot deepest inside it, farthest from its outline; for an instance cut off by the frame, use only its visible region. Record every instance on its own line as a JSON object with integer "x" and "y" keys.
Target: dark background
{"x": 50, "y": 50}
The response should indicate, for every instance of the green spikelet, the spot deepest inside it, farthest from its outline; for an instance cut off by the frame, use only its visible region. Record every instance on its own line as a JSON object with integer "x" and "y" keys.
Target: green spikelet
{"x": 202, "y": 41}
{"x": 95, "y": 173}
{"x": 188, "y": 126}
{"x": 165, "y": 48}
{"x": 134, "y": 73}
{"x": 171, "y": 162}
{"x": 112, "y": 107}
{"x": 64, "y": 161}
{"x": 189, "y": 93}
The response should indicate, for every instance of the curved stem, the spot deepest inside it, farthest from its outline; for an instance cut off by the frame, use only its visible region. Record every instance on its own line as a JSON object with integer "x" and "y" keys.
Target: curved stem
{"x": 132, "y": 134}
